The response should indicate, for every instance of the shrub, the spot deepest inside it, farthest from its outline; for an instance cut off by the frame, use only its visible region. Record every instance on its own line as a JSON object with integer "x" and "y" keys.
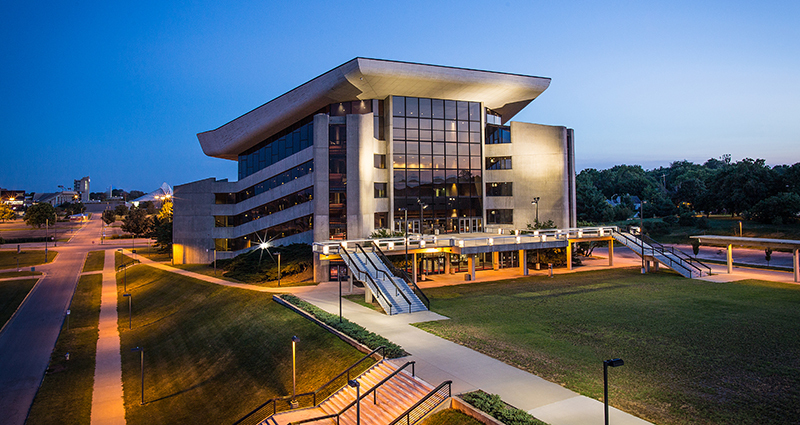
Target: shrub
{"x": 702, "y": 223}
{"x": 353, "y": 330}
{"x": 656, "y": 228}
{"x": 260, "y": 266}
{"x": 671, "y": 220}
{"x": 493, "y": 405}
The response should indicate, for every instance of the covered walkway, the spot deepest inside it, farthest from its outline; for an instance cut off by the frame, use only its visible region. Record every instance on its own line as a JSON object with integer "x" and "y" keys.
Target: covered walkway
{"x": 731, "y": 241}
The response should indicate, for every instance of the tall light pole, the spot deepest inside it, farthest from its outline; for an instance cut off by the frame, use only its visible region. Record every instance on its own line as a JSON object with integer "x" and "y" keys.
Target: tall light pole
{"x": 339, "y": 277}
{"x": 355, "y": 384}
{"x": 294, "y": 402}
{"x": 141, "y": 356}
{"x": 535, "y": 202}
{"x": 279, "y": 268}
{"x": 46, "y": 236}
{"x": 641, "y": 229}
{"x": 422, "y": 207}
{"x": 606, "y": 364}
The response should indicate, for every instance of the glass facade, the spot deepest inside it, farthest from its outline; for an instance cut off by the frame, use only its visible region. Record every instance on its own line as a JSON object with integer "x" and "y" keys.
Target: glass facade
{"x": 499, "y": 189}
{"x": 277, "y": 147}
{"x": 337, "y": 162}
{"x": 266, "y": 185}
{"x": 269, "y": 208}
{"x": 500, "y": 216}
{"x": 437, "y": 161}
{"x": 498, "y": 163}
{"x": 288, "y": 228}
{"x": 497, "y": 134}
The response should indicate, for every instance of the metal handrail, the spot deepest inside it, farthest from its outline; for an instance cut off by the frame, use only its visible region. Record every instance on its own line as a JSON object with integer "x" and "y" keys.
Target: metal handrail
{"x": 655, "y": 247}
{"x": 353, "y": 403}
{"x": 407, "y": 414}
{"x": 357, "y": 270}
{"x": 314, "y": 393}
{"x": 397, "y": 288}
{"x": 682, "y": 255}
{"x": 402, "y": 275}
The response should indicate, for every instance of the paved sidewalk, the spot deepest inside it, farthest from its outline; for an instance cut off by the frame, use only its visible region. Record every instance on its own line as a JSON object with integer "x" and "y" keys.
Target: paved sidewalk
{"x": 438, "y": 360}
{"x": 107, "y": 401}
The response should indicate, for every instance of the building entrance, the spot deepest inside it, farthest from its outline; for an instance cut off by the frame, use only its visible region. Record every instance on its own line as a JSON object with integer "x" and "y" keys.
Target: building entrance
{"x": 469, "y": 225}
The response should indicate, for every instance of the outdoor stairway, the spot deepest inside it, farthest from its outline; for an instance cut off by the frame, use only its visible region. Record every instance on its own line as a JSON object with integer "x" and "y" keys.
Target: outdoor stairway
{"x": 393, "y": 398}
{"x": 674, "y": 259}
{"x": 391, "y": 292}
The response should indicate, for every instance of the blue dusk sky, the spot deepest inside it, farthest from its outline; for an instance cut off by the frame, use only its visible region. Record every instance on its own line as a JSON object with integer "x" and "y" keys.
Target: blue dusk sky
{"x": 118, "y": 91}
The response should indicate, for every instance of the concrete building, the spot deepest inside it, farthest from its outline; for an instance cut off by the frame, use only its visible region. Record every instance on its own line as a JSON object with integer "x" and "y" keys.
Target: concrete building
{"x": 82, "y": 187}
{"x": 362, "y": 145}
{"x": 56, "y": 198}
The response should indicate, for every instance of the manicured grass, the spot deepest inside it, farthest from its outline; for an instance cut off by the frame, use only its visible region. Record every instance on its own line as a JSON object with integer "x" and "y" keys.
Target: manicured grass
{"x": 94, "y": 261}
{"x": 450, "y": 417}
{"x": 65, "y": 396}
{"x": 359, "y": 299}
{"x": 6, "y": 275}
{"x": 27, "y": 258}
{"x": 214, "y": 353}
{"x": 204, "y": 269}
{"x": 152, "y": 253}
{"x": 304, "y": 278}
{"x": 12, "y": 293}
{"x": 695, "y": 352}
{"x": 120, "y": 259}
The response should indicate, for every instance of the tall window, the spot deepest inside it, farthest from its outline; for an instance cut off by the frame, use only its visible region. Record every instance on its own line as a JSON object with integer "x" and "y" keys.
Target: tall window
{"x": 500, "y": 216}
{"x": 498, "y": 163}
{"x": 499, "y": 189}
{"x": 337, "y": 159}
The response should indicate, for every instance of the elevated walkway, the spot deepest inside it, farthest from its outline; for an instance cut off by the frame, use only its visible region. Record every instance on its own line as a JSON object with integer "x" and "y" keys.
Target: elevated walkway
{"x": 652, "y": 251}
{"x": 730, "y": 241}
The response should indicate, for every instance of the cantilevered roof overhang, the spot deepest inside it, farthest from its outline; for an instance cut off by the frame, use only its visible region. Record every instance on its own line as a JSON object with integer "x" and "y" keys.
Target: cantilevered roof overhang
{"x": 363, "y": 78}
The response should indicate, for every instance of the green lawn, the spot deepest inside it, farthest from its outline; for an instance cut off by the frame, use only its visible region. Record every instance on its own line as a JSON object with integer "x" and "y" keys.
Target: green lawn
{"x": 27, "y": 258}
{"x": 695, "y": 352}
{"x": 6, "y": 275}
{"x": 65, "y": 396}
{"x": 12, "y": 293}
{"x": 152, "y": 253}
{"x": 120, "y": 259}
{"x": 214, "y": 353}
{"x": 303, "y": 278}
{"x": 94, "y": 261}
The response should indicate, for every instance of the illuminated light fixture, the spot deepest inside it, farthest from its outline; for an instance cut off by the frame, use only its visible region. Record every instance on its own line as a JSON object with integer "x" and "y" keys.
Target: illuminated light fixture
{"x": 461, "y": 244}
{"x": 519, "y": 239}
{"x": 421, "y": 243}
{"x": 535, "y": 233}
{"x": 499, "y": 231}
{"x": 434, "y": 240}
{"x": 263, "y": 245}
{"x": 544, "y": 238}
{"x": 602, "y": 232}
{"x": 580, "y": 233}
{"x": 344, "y": 244}
{"x": 391, "y": 246}
{"x": 491, "y": 241}
{"x": 326, "y": 249}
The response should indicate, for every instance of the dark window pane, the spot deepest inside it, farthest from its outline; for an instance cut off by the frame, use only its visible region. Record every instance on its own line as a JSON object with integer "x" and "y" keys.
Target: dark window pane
{"x": 463, "y": 110}
{"x": 475, "y": 111}
{"x": 398, "y": 106}
{"x": 450, "y": 109}
{"x": 437, "y": 108}
{"x": 425, "y": 108}
{"x": 438, "y": 162}
{"x": 424, "y": 148}
{"x": 412, "y": 107}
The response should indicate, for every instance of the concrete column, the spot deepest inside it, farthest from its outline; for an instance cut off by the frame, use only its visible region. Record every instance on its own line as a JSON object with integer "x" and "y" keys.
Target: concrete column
{"x": 655, "y": 265}
{"x": 523, "y": 261}
{"x": 796, "y": 264}
{"x": 360, "y": 176}
{"x": 611, "y": 253}
{"x": 569, "y": 255}
{"x": 367, "y": 294}
{"x": 321, "y": 184}
{"x": 730, "y": 259}
{"x": 350, "y": 281}
{"x": 447, "y": 263}
{"x": 495, "y": 261}
{"x": 471, "y": 265}
{"x": 414, "y": 268}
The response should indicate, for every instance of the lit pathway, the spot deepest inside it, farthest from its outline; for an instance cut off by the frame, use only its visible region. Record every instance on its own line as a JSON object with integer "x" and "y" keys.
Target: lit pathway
{"x": 107, "y": 401}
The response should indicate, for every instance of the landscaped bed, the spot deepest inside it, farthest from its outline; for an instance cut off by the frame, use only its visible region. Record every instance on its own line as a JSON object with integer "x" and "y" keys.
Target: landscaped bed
{"x": 26, "y": 258}
{"x": 94, "y": 261}
{"x": 695, "y": 352}
{"x": 12, "y": 293}
{"x": 214, "y": 353}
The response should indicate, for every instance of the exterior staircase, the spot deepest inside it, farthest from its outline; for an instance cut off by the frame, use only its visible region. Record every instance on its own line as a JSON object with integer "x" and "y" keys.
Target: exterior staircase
{"x": 392, "y": 292}
{"x": 382, "y": 400}
{"x": 677, "y": 260}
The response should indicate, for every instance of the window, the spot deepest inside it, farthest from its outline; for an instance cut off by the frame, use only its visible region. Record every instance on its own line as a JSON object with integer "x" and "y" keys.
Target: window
{"x": 266, "y": 185}
{"x": 497, "y": 134}
{"x": 500, "y": 216}
{"x": 380, "y": 190}
{"x": 272, "y": 207}
{"x": 381, "y": 220}
{"x": 498, "y": 189}
{"x": 498, "y": 163}
{"x": 380, "y": 161}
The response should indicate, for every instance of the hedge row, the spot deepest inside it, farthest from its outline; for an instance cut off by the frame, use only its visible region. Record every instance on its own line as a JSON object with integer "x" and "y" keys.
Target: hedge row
{"x": 494, "y": 406}
{"x": 357, "y": 332}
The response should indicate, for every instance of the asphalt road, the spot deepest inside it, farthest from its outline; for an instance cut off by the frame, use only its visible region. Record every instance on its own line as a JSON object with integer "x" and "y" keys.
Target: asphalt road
{"x": 29, "y": 338}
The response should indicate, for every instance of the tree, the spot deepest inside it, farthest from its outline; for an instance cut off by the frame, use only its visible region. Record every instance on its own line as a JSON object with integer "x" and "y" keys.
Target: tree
{"x": 695, "y": 247}
{"x": 136, "y": 194}
{"x": 149, "y": 206}
{"x": 98, "y": 196}
{"x": 71, "y": 208}
{"x": 109, "y": 216}
{"x": 38, "y": 214}
{"x": 137, "y": 222}
{"x": 121, "y": 210}
{"x": 590, "y": 202}
{"x": 162, "y": 228}
{"x": 6, "y": 213}
{"x": 778, "y": 209}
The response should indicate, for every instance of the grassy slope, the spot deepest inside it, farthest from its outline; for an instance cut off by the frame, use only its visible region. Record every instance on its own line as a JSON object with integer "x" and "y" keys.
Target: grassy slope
{"x": 450, "y": 417}
{"x": 695, "y": 352}
{"x": 94, "y": 261}
{"x": 65, "y": 396}
{"x": 27, "y": 258}
{"x": 12, "y": 293}
{"x": 214, "y": 353}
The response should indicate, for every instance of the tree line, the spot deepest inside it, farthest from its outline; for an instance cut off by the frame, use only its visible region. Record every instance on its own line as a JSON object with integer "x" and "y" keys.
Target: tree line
{"x": 748, "y": 188}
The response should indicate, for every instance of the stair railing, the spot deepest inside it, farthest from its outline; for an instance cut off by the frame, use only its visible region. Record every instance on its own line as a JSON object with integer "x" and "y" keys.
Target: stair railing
{"x": 313, "y": 394}
{"x": 360, "y": 276}
{"x": 402, "y": 275}
{"x": 389, "y": 277}
{"x": 363, "y": 396}
{"x": 425, "y": 405}
{"x": 696, "y": 264}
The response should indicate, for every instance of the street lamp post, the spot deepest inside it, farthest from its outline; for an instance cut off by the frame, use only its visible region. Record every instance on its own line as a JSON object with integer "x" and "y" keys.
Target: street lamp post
{"x": 339, "y": 277}
{"x": 355, "y": 384}
{"x": 279, "y": 268}
{"x": 606, "y": 364}
{"x": 141, "y": 356}
{"x": 46, "y": 236}
{"x": 55, "y": 230}
{"x": 535, "y": 202}
{"x": 294, "y": 402}
{"x": 130, "y": 309}
{"x": 422, "y": 207}
{"x": 641, "y": 230}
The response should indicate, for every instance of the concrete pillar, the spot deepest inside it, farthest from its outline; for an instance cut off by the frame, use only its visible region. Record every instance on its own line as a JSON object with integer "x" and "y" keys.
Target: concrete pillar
{"x": 796, "y": 264}
{"x": 447, "y": 263}
{"x": 495, "y": 261}
{"x": 350, "y": 281}
{"x": 471, "y": 266}
{"x": 655, "y": 265}
{"x": 611, "y": 253}
{"x": 730, "y": 259}
{"x": 523, "y": 261}
{"x": 367, "y": 294}
{"x": 569, "y": 255}
{"x": 414, "y": 268}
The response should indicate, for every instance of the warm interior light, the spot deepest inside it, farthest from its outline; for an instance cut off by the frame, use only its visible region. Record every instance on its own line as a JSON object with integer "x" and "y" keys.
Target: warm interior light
{"x": 264, "y": 245}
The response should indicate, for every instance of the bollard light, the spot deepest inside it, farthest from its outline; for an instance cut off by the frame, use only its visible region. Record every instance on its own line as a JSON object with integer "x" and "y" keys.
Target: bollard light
{"x": 606, "y": 364}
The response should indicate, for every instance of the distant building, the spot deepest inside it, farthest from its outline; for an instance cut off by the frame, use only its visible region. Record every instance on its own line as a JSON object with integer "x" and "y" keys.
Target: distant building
{"x": 82, "y": 187}
{"x": 13, "y": 198}
{"x": 157, "y": 196}
{"x": 57, "y": 198}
